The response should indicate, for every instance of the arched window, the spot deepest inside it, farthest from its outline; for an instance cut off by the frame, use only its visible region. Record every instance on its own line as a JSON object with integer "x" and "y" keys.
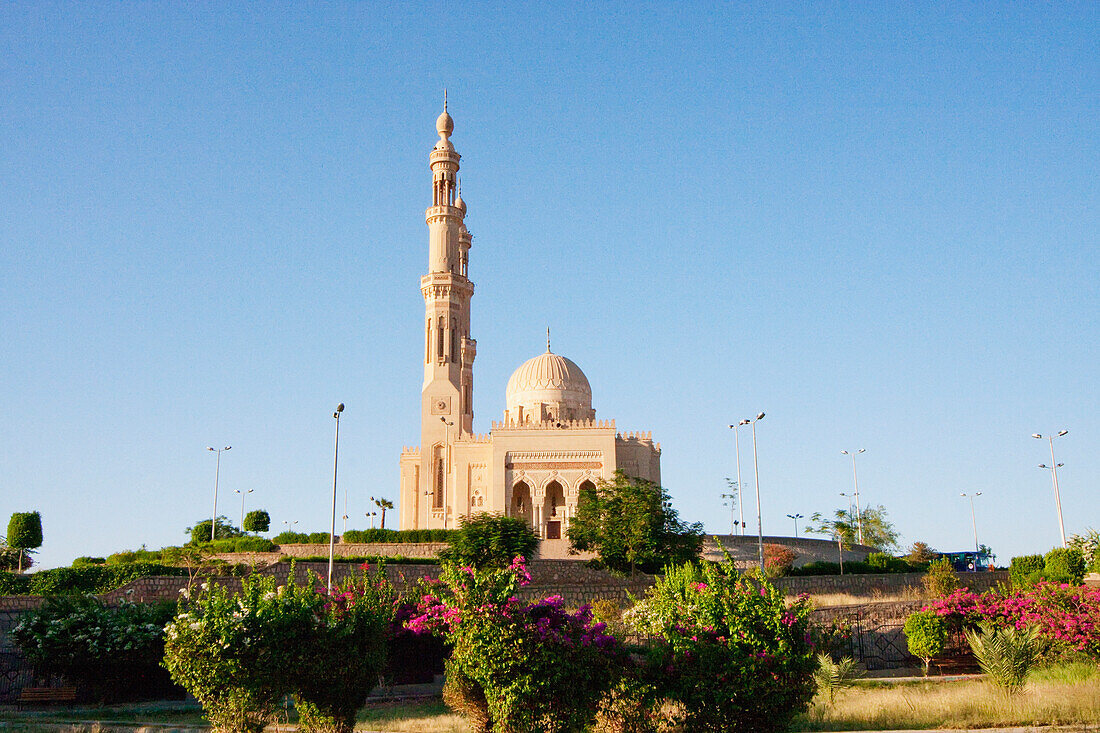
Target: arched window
{"x": 437, "y": 495}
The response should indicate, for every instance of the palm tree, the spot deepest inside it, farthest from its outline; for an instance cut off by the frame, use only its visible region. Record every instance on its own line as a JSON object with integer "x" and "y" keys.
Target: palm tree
{"x": 382, "y": 504}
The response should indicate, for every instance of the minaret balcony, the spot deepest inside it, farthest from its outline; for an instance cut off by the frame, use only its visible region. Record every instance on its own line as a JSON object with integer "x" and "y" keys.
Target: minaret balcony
{"x": 443, "y": 284}
{"x": 433, "y": 213}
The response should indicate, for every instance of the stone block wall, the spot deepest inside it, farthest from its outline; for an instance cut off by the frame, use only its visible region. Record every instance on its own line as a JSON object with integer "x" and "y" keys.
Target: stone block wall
{"x": 744, "y": 549}
{"x": 870, "y": 584}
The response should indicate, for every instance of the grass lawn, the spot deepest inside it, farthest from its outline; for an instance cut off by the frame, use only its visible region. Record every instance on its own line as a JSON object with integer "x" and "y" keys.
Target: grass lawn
{"x": 1067, "y": 694}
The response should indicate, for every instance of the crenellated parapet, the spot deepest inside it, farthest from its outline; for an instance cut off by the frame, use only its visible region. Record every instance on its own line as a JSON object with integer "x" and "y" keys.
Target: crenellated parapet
{"x": 410, "y": 451}
{"x": 584, "y": 424}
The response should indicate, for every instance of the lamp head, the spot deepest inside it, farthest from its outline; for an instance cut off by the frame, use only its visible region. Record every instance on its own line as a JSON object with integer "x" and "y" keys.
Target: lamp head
{"x": 744, "y": 422}
{"x": 340, "y": 407}
{"x": 760, "y": 416}
{"x": 1043, "y": 465}
{"x": 977, "y": 493}
{"x": 1062, "y": 432}
{"x": 845, "y": 452}
{"x": 1036, "y": 436}
{"x": 209, "y": 448}
{"x": 861, "y": 450}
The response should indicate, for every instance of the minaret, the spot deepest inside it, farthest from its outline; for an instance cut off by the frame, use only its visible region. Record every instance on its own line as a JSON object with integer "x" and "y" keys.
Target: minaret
{"x": 447, "y": 394}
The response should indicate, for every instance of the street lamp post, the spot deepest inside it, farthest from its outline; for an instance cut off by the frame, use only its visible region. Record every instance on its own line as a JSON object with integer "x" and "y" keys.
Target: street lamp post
{"x": 737, "y": 451}
{"x": 289, "y": 524}
{"x": 1054, "y": 466}
{"x": 855, "y": 480}
{"x": 795, "y": 517}
{"x": 756, "y": 473}
{"x": 973, "y": 522}
{"x": 217, "y": 474}
{"x": 242, "y": 493}
{"x": 335, "y": 464}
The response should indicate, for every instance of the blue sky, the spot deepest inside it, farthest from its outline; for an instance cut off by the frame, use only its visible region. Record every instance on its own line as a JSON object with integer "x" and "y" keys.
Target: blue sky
{"x": 875, "y": 222}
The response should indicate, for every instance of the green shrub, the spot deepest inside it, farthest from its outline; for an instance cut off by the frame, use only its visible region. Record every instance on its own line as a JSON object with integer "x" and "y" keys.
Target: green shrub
{"x": 131, "y": 556}
{"x": 1006, "y": 654}
{"x": 926, "y": 635}
{"x": 240, "y": 654}
{"x": 94, "y": 578}
{"x": 223, "y": 530}
{"x": 538, "y": 666}
{"x": 257, "y": 520}
{"x": 84, "y": 561}
{"x": 941, "y": 578}
{"x": 14, "y": 584}
{"x": 491, "y": 541}
{"x": 290, "y": 538}
{"x": 1026, "y": 570}
{"x": 886, "y": 563}
{"x": 110, "y": 654}
{"x": 1064, "y": 565}
{"x": 737, "y": 657}
{"x": 242, "y": 544}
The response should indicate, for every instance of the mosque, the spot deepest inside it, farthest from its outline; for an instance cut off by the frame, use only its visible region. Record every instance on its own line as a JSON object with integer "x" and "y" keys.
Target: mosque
{"x": 549, "y": 445}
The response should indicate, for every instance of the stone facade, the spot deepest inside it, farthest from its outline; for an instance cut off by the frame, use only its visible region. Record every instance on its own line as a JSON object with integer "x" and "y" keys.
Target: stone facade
{"x": 534, "y": 463}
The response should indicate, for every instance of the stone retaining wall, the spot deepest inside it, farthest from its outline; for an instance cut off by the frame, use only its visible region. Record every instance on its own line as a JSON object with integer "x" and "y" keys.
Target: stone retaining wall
{"x": 745, "y": 551}
{"x": 870, "y": 584}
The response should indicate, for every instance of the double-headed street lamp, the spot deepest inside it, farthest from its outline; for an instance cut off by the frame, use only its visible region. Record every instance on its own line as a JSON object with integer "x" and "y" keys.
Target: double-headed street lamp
{"x": 795, "y": 517}
{"x": 242, "y": 493}
{"x": 756, "y": 473}
{"x": 973, "y": 521}
{"x": 335, "y": 464}
{"x": 217, "y": 473}
{"x": 855, "y": 480}
{"x": 737, "y": 451}
{"x": 1054, "y": 477}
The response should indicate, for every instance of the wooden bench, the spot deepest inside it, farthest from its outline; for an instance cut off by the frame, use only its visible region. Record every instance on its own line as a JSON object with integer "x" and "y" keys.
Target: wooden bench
{"x": 45, "y": 696}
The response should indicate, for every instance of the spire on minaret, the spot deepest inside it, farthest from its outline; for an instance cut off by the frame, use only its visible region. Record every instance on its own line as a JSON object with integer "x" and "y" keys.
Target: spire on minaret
{"x": 547, "y": 339}
{"x": 444, "y": 99}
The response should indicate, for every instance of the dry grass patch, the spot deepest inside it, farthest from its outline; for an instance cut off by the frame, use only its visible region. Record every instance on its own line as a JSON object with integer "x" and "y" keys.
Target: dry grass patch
{"x": 1065, "y": 695}
{"x": 909, "y": 593}
{"x": 429, "y": 716}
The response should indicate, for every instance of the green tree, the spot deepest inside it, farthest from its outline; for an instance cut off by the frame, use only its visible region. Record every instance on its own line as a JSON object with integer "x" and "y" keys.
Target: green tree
{"x": 926, "y": 636}
{"x": 490, "y": 541}
{"x": 24, "y": 533}
{"x": 382, "y": 504}
{"x": 630, "y": 524}
{"x": 256, "y": 520}
{"x": 878, "y": 531}
{"x": 223, "y": 530}
{"x": 920, "y": 553}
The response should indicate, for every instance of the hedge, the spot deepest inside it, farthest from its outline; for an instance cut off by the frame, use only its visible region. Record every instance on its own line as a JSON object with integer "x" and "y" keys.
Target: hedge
{"x": 371, "y": 559}
{"x": 361, "y": 536}
{"x": 855, "y": 567}
{"x": 88, "y": 579}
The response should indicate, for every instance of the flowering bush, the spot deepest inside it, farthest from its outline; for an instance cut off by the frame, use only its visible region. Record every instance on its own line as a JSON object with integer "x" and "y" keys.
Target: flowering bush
{"x": 341, "y": 651}
{"x": 538, "y": 666}
{"x": 109, "y": 654}
{"x": 239, "y": 654}
{"x": 1066, "y": 615}
{"x": 736, "y": 657}
{"x": 232, "y": 651}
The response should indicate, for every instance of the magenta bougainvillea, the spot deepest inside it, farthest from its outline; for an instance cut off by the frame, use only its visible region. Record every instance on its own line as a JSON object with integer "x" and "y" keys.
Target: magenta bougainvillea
{"x": 1065, "y": 614}
{"x": 539, "y": 666}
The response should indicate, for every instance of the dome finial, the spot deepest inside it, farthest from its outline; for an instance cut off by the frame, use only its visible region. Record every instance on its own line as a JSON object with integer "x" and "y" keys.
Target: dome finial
{"x": 547, "y": 339}
{"x": 444, "y": 125}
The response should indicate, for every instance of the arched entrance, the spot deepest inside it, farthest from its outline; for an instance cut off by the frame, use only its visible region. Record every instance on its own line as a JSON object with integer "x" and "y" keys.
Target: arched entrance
{"x": 520, "y": 506}
{"x": 554, "y": 510}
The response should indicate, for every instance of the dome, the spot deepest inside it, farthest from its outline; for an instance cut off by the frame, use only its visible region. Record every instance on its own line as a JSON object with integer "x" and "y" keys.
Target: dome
{"x": 553, "y": 381}
{"x": 444, "y": 125}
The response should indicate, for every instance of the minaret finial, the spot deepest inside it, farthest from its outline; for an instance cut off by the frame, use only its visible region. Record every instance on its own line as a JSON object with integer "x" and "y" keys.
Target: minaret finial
{"x": 547, "y": 339}
{"x": 444, "y": 99}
